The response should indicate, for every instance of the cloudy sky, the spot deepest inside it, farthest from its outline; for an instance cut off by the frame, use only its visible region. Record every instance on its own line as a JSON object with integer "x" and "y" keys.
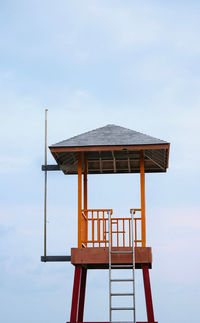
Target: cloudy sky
{"x": 92, "y": 63}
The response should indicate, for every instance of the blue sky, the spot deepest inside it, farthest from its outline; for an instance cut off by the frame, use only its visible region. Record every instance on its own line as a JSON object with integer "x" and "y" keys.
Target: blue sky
{"x": 92, "y": 63}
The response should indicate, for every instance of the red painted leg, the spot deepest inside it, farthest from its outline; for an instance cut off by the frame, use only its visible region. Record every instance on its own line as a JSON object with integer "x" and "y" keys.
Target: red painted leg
{"x": 82, "y": 295}
{"x": 148, "y": 297}
{"x": 76, "y": 294}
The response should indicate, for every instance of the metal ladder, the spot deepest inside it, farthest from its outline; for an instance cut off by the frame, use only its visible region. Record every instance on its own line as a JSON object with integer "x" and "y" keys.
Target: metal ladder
{"x": 112, "y": 266}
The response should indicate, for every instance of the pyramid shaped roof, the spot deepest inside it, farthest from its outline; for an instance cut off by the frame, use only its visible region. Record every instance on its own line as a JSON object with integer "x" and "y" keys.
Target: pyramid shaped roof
{"x": 110, "y": 135}
{"x": 112, "y": 149}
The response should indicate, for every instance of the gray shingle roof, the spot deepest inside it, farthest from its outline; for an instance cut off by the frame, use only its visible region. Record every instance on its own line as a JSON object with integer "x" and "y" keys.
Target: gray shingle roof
{"x": 112, "y": 149}
{"x": 110, "y": 135}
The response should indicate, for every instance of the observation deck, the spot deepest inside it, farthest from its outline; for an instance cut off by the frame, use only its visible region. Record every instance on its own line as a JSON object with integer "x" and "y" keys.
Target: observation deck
{"x": 94, "y": 253}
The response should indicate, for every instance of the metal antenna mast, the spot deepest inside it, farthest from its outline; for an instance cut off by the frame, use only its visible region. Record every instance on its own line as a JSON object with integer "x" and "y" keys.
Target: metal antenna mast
{"x": 45, "y": 187}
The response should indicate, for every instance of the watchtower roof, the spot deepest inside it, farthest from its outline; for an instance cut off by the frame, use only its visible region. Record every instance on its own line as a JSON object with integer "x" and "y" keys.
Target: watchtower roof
{"x": 110, "y": 135}
{"x": 112, "y": 149}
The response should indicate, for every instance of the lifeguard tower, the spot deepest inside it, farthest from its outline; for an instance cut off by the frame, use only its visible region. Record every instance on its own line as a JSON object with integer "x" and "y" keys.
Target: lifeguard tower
{"x": 104, "y": 240}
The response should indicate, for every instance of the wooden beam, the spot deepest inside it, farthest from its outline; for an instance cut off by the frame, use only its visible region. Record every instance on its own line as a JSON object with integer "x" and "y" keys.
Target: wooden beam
{"x": 142, "y": 189}
{"x": 97, "y": 258}
{"x": 100, "y": 163}
{"x": 50, "y": 167}
{"x": 55, "y": 258}
{"x": 154, "y": 162}
{"x": 114, "y": 161}
{"x": 85, "y": 225}
{"x": 85, "y": 181}
{"x": 68, "y": 169}
{"x": 168, "y": 155}
{"x": 82, "y": 295}
{"x": 148, "y": 296}
{"x": 129, "y": 165}
{"x": 110, "y": 160}
{"x": 79, "y": 197}
{"x": 108, "y": 148}
{"x": 76, "y": 294}
{"x": 109, "y": 322}
{"x": 122, "y": 171}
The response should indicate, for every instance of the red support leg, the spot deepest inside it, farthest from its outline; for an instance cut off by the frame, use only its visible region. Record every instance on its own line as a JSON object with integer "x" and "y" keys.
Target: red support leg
{"x": 148, "y": 297}
{"x": 76, "y": 294}
{"x": 82, "y": 295}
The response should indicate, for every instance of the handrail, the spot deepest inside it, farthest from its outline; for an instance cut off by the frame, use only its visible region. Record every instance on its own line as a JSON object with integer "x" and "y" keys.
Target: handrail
{"x": 98, "y": 210}
{"x": 95, "y": 229}
{"x": 135, "y": 210}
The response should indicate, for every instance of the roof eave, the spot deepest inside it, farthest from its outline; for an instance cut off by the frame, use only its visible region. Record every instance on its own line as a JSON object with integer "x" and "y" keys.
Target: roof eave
{"x": 108, "y": 148}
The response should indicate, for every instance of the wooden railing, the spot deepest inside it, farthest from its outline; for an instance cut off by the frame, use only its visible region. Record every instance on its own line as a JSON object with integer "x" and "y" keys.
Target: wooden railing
{"x": 95, "y": 229}
{"x": 137, "y": 227}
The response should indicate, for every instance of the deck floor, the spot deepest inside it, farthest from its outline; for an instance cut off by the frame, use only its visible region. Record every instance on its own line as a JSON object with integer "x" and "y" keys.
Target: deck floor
{"x": 98, "y": 258}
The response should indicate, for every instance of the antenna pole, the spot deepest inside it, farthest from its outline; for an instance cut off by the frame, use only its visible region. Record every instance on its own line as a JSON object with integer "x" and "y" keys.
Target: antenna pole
{"x": 45, "y": 188}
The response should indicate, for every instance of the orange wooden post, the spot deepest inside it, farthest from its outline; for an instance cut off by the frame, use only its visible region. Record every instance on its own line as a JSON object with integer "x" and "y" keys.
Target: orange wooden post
{"x": 85, "y": 227}
{"x": 142, "y": 186}
{"x": 79, "y": 197}
{"x": 85, "y": 182}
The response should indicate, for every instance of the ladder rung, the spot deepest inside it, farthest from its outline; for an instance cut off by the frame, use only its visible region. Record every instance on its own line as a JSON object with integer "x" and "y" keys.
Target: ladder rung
{"x": 122, "y": 294}
{"x": 122, "y": 266}
{"x": 121, "y": 280}
{"x": 122, "y": 308}
{"x": 121, "y": 251}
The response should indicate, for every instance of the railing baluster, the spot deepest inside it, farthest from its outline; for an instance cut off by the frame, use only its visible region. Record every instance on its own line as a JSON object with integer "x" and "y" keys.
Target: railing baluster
{"x": 104, "y": 234}
{"x": 106, "y": 221}
{"x": 117, "y": 233}
{"x": 96, "y": 233}
{"x": 123, "y": 234}
{"x": 86, "y": 233}
{"x": 93, "y": 228}
{"x": 136, "y": 232}
{"x": 98, "y": 228}
{"x": 111, "y": 232}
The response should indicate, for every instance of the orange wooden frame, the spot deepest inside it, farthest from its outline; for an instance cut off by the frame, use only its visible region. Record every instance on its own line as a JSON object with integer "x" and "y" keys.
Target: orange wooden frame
{"x": 142, "y": 187}
{"x": 82, "y": 223}
{"x": 79, "y": 199}
{"x": 83, "y": 217}
{"x": 95, "y": 222}
{"x": 108, "y": 148}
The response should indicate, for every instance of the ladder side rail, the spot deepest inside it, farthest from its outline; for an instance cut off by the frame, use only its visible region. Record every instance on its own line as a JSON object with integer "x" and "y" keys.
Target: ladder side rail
{"x": 133, "y": 271}
{"x": 109, "y": 252}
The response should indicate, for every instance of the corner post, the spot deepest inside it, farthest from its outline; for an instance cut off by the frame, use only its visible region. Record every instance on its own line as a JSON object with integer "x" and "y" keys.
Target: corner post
{"x": 148, "y": 296}
{"x": 142, "y": 186}
{"x": 85, "y": 233}
{"x": 76, "y": 294}
{"x": 82, "y": 295}
{"x": 85, "y": 182}
{"x": 79, "y": 197}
